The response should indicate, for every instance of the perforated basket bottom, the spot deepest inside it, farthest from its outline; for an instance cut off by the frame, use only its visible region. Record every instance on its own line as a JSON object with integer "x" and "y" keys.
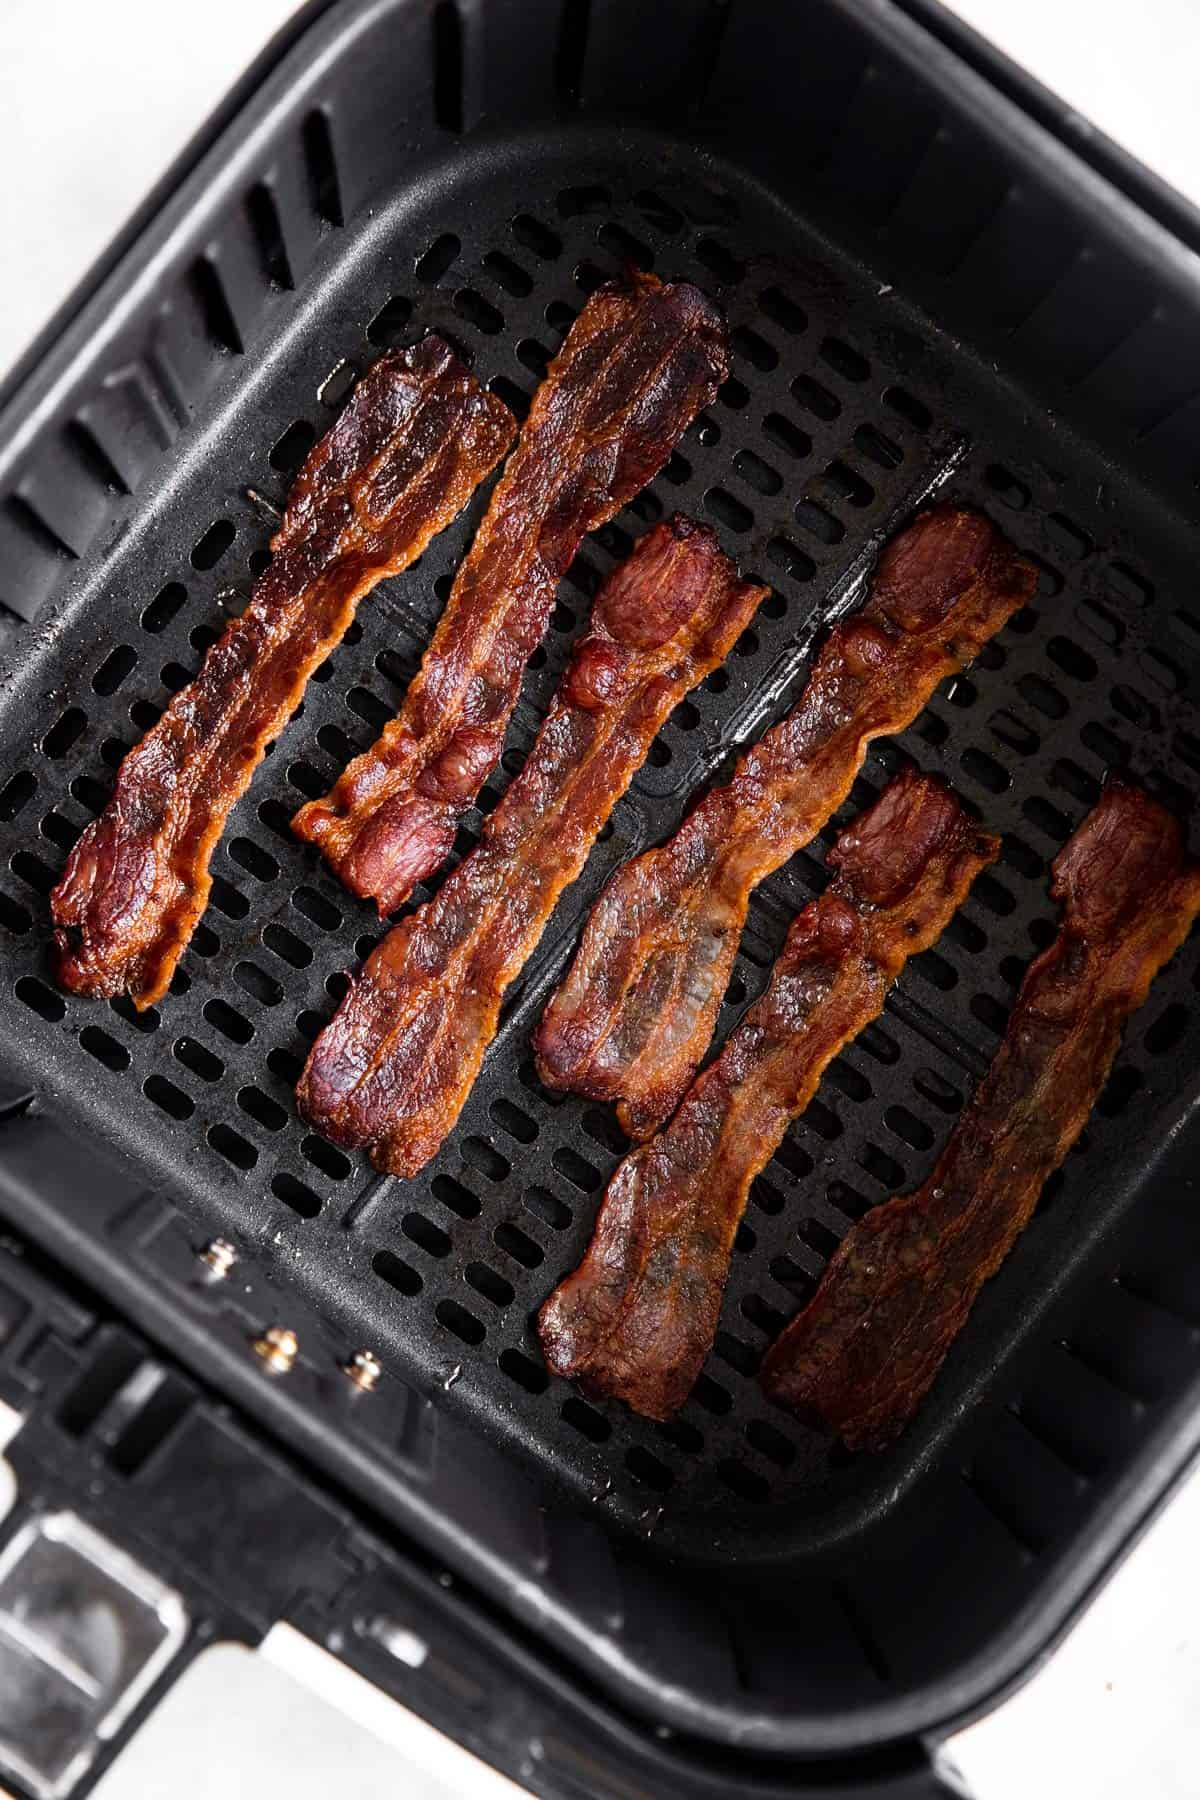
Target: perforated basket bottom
{"x": 835, "y": 420}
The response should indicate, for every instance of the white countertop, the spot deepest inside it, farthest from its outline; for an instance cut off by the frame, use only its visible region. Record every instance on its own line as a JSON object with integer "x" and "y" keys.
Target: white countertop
{"x": 96, "y": 97}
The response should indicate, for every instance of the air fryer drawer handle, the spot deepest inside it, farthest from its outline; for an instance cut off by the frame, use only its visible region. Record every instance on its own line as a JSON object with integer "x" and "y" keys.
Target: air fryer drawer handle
{"x": 141, "y": 1502}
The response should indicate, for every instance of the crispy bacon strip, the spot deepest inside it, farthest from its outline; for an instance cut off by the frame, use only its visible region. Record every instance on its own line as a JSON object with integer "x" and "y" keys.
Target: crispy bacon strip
{"x": 898, "y": 1289}
{"x": 416, "y": 439}
{"x": 393, "y": 1068}
{"x": 638, "y": 1317}
{"x": 636, "y": 1011}
{"x": 639, "y": 363}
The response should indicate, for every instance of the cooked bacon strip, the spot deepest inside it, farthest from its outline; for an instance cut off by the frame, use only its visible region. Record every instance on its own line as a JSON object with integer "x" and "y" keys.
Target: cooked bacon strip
{"x": 393, "y": 1068}
{"x": 416, "y": 439}
{"x": 898, "y": 1289}
{"x": 636, "y": 1011}
{"x": 638, "y": 1317}
{"x": 639, "y": 363}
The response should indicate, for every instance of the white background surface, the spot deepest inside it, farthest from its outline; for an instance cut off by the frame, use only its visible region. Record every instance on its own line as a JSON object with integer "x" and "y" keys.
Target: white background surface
{"x": 96, "y": 97}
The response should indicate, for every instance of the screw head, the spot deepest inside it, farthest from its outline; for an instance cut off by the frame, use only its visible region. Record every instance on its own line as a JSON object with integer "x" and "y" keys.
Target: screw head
{"x": 218, "y": 1258}
{"x": 278, "y": 1347}
{"x": 364, "y": 1370}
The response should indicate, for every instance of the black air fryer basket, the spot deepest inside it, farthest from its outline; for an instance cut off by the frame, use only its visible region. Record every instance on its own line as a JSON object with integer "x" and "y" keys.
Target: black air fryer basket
{"x": 932, "y": 286}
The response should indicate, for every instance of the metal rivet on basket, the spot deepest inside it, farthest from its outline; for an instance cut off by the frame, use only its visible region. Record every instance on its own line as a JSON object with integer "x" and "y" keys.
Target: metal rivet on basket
{"x": 364, "y": 1370}
{"x": 278, "y": 1347}
{"x": 218, "y": 1258}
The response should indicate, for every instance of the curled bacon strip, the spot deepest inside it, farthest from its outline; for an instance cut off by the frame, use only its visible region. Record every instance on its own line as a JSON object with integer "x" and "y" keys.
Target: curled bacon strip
{"x": 640, "y": 361}
{"x": 635, "y": 1013}
{"x": 899, "y": 1287}
{"x": 393, "y": 1068}
{"x": 637, "y": 1318}
{"x": 416, "y": 439}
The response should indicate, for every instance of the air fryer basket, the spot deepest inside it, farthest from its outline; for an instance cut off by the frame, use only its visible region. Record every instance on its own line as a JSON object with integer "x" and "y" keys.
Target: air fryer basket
{"x": 926, "y": 291}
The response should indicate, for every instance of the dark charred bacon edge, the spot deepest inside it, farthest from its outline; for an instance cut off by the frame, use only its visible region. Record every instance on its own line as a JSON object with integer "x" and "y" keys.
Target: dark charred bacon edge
{"x": 394, "y": 1066}
{"x": 634, "y": 1014}
{"x": 637, "y": 1318}
{"x": 587, "y": 447}
{"x": 414, "y": 441}
{"x": 899, "y": 1288}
